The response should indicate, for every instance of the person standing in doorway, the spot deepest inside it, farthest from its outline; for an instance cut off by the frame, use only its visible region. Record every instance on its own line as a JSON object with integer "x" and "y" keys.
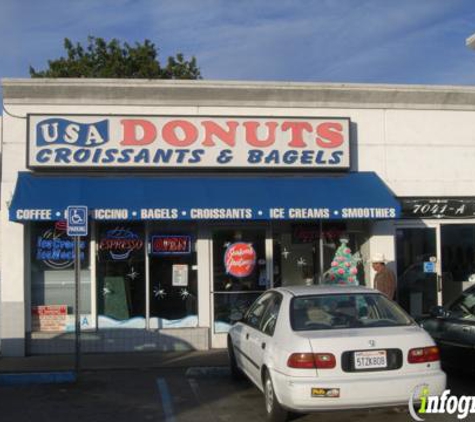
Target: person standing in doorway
{"x": 384, "y": 280}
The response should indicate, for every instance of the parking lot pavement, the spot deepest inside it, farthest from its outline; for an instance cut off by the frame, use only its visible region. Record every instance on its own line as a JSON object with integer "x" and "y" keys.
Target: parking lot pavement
{"x": 165, "y": 394}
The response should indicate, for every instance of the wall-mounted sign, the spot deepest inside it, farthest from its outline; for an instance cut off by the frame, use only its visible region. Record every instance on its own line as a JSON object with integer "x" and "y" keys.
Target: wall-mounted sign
{"x": 240, "y": 259}
{"x": 119, "y": 243}
{"x": 171, "y": 245}
{"x": 438, "y": 207}
{"x": 188, "y": 142}
{"x": 55, "y": 248}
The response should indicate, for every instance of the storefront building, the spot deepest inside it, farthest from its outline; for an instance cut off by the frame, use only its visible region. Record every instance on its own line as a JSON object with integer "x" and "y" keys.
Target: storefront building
{"x": 201, "y": 195}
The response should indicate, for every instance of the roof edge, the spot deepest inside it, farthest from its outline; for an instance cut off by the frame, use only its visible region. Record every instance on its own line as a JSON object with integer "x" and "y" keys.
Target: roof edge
{"x": 83, "y": 91}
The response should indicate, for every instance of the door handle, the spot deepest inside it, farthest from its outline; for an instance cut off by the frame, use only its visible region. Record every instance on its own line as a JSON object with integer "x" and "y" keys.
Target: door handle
{"x": 466, "y": 329}
{"x": 263, "y": 345}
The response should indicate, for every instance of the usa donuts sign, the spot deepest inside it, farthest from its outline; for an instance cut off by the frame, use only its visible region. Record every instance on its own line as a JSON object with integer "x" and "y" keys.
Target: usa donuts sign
{"x": 156, "y": 142}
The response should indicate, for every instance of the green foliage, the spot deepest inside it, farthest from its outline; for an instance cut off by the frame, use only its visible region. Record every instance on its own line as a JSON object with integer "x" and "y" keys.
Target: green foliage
{"x": 101, "y": 59}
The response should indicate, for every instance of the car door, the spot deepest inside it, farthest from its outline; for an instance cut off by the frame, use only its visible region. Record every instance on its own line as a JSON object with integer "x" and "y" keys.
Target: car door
{"x": 251, "y": 334}
{"x": 260, "y": 338}
{"x": 456, "y": 336}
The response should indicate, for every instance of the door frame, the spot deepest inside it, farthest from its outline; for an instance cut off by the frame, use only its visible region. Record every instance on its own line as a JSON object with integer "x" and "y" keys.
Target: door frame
{"x": 424, "y": 224}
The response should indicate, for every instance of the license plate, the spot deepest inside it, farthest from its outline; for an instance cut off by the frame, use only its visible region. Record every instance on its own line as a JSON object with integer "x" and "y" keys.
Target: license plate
{"x": 370, "y": 359}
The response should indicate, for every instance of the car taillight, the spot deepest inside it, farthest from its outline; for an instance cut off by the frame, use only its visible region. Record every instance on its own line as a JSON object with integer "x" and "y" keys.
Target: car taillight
{"x": 311, "y": 360}
{"x": 324, "y": 360}
{"x": 423, "y": 354}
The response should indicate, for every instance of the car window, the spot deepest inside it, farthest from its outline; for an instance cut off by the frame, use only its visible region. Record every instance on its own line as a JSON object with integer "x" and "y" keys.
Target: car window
{"x": 256, "y": 311}
{"x": 269, "y": 319}
{"x": 346, "y": 311}
{"x": 464, "y": 306}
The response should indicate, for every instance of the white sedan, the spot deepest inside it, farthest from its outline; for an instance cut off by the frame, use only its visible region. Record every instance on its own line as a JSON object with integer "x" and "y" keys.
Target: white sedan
{"x": 332, "y": 347}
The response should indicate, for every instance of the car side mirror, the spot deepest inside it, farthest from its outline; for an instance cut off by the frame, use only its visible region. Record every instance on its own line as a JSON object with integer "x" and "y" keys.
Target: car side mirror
{"x": 438, "y": 312}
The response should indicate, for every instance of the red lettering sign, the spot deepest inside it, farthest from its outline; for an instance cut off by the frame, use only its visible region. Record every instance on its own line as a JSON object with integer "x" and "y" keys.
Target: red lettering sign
{"x": 49, "y": 318}
{"x": 171, "y": 245}
{"x": 138, "y": 132}
{"x": 49, "y": 310}
{"x": 240, "y": 259}
{"x": 184, "y": 133}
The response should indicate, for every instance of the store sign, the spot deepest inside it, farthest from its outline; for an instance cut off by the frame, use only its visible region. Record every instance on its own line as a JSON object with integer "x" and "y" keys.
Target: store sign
{"x": 120, "y": 243}
{"x": 437, "y": 208}
{"x": 49, "y": 318}
{"x": 240, "y": 259}
{"x": 55, "y": 248}
{"x": 171, "y": 245}
{"x": 66, "y": 141}
{"x": 310, "y": 233}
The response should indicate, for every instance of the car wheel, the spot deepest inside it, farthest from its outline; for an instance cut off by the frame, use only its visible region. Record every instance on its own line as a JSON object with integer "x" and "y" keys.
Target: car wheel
{"x": 236, "y": 373}
{"x": 275, "y": 412}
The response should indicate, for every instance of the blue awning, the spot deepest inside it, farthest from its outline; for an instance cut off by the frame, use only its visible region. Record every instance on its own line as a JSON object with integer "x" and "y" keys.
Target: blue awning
{"x": 360, "y": 195}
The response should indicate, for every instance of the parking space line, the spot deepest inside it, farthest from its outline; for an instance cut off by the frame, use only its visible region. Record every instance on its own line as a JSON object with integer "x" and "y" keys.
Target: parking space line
{"x": 166, "y": 399}
{"x": 196, "y": 391}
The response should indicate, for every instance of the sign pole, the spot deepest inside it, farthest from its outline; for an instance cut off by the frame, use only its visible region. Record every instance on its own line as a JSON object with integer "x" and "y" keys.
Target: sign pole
{"x": 77, "y": 221}
{"x": 77, "y": 277}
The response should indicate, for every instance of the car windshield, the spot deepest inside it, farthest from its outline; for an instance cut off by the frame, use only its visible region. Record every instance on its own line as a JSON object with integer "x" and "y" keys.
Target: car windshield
{"x": 334, "y": 311}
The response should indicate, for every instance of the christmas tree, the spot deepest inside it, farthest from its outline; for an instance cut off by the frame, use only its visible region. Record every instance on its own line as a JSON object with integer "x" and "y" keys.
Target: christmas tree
{"x": 343, "y": 267}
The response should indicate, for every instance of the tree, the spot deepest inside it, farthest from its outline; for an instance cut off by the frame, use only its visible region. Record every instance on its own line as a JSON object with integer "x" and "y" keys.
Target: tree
{"x": 101, "y": 59}
{"x": 343, "y": 267}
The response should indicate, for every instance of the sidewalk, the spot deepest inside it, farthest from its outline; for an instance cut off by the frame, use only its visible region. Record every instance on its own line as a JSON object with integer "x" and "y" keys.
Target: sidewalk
{"x": 108, "y": 361}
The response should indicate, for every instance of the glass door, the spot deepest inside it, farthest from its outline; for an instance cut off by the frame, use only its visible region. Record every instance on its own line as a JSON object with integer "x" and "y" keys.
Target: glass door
{"x": 173, "y": 280}
{"x": 417, "y": 287}
{"x": 239, "y": 275}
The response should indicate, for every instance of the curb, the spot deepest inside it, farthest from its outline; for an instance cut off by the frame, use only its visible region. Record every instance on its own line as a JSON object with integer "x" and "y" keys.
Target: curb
{"x": 38, "y": 378}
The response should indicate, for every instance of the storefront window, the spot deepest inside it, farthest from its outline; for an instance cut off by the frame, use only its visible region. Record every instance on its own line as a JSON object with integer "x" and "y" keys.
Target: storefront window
{"x": 173, "y": 279}
{"x": 121, "y": 276}
{"x": 53, "y": 279}
{"x": 310, "y": 253}
{"x": 342, "y": 256}
{"x": 240, "y": 273}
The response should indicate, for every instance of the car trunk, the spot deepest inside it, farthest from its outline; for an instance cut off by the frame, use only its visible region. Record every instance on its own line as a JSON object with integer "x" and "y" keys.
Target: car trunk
{"x": 365, "y": 351}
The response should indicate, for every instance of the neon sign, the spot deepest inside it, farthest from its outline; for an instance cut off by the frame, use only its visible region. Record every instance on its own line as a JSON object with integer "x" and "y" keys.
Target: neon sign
{"x": 171, "y": 245}
{"x": 56, "y": 249}
{"x": 120, "y": 243}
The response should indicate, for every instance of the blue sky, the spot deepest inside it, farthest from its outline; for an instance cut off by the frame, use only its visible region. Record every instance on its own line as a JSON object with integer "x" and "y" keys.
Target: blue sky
{"x": 362, "y": 41}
